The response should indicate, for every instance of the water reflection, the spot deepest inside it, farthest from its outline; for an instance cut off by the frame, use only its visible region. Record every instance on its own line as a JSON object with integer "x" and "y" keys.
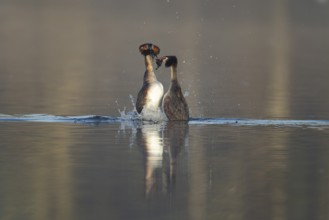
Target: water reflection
{"x": 279, "y": 83}
{"x": 161, "y": 144}
{"x": 175, "y": 139}
{"x": 148, "y": 137}
{"x": 36, "y": 172}
{"x": 198, "y": 171}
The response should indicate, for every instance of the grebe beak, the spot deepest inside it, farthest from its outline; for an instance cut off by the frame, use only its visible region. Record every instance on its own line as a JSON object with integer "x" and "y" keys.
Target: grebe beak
{"x": 159, "y": 62}
{"x": 153, "y": 54}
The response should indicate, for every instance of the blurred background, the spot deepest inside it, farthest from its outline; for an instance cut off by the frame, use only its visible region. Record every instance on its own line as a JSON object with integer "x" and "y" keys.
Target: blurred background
{"x": 237, "y": 58}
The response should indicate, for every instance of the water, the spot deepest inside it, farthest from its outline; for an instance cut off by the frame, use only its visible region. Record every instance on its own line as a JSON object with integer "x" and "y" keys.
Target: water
{"x": 135, "y": 119}
{"x": 255, "y": 76}
{"x": 124, "y": 170}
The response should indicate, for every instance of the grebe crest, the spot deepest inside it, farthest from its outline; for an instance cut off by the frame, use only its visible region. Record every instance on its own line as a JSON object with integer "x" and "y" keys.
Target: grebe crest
{"x": 174, "y": 104}
{"x": 150, "y": 95}
{"x": 149, "y": 49}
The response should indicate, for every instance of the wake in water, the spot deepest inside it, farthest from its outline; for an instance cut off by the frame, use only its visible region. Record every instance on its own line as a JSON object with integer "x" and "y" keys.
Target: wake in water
{"x": 125, "y": 116}
{"x": 133, "y": 119}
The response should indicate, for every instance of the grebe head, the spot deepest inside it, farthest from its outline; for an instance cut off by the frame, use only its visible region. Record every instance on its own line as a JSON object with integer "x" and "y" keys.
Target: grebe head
{"x": 168, "y": 61}
{"x": 149, "y": 49}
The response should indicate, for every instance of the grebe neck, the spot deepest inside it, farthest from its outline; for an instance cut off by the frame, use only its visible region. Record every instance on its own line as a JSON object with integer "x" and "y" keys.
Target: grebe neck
{"x": 149, "y": 75}
{"x": 148, "y": 63}
{"x": 173, "y": 75}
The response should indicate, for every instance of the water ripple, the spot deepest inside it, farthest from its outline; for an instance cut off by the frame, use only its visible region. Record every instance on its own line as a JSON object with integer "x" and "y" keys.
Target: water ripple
{"x": 98, "y": 119}
{"x": 258, "y": 122}
{"x": 54, "y": 118}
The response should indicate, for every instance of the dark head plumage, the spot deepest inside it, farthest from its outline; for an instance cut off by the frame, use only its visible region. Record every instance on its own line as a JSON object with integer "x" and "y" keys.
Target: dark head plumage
{"x": 149, "y": 49}
{"x": 168, "y": 61}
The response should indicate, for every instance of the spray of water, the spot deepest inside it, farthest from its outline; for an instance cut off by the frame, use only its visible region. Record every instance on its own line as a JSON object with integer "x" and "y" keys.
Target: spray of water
{"x": 127, "y": 115}
{"x": 154, "y": 115}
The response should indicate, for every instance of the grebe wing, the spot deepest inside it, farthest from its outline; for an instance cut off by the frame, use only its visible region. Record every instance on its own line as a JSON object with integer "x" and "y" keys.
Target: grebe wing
{"x": 167, "y": 107}
{"x": 141, "y": 99}
{"x": 185, "y": 111}
{"x": 175, "y": 106}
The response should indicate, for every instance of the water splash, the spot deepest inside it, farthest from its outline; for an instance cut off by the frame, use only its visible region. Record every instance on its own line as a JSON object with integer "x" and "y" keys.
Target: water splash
{"x": 151, "y": 115}
{"x": 132, "y": 100}
{"x": 128, "y": 115}
{"x": 155, "y": 115}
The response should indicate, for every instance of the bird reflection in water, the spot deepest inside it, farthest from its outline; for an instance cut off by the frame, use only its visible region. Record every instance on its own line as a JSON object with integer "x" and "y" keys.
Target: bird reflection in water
{"x": 161, "y": 145}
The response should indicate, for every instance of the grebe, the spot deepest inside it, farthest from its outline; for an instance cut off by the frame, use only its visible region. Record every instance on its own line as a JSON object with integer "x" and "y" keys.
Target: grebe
{"x": 150, "y": 95}
{"x": 174, "y": 104}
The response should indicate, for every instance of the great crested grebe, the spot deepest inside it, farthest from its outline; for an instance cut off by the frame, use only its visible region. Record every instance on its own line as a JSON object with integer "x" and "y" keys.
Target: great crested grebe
{"x": 150, "y": 95}
{"x": 174, "y": 104}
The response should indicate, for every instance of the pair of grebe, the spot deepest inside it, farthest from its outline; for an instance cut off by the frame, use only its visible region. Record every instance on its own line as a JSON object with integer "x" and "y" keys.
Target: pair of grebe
{"x": 173, "y": 102}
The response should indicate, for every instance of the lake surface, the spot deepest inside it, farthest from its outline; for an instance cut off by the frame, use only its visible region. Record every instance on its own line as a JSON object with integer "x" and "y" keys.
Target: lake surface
{"x": 256, "y": 77}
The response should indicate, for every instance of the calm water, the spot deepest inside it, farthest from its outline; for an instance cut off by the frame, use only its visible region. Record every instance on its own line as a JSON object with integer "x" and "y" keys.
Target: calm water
{"x": 162, "y": 171}
{"x": 256, "y": 77}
